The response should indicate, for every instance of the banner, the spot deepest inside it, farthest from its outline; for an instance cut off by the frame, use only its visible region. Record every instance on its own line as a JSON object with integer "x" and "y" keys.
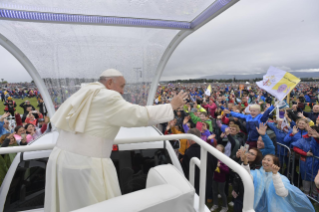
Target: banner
{"x": 208, "y": 90}
{"x": 241, "y": 87}
{"x": 278, "y": 82}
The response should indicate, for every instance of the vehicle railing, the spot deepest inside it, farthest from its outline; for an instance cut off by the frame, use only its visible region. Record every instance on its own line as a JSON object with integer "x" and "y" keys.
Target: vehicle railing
{"x": 205, "y": 147}
{"x": 194, "y": 161}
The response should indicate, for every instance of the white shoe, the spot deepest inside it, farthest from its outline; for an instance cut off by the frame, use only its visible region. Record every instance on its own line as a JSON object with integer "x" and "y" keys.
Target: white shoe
{"x": 214, "y": 208}
{"x": 219, "y": 196}
{"x": 231, "y": 204}
{"x": 224, "y": 209}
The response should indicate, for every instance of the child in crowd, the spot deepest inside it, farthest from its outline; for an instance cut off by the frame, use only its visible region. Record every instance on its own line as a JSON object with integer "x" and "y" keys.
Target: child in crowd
{"x": 219, "y": 180}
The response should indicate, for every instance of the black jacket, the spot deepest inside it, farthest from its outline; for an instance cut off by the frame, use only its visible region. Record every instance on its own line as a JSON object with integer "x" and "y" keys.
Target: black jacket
{"x": 238, "y": 185}
{"x": 24, "y": 106}
{"x": 194, "y": 151}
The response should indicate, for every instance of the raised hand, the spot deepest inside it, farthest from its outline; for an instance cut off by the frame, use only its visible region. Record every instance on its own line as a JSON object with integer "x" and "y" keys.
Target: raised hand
{"x": 227, "y": 131}
{"x": 211, "y": 137}
{"x": 178, "y": 100}
{"x": 5, "y": 115}
{"x": 262, "y": 129}
{"x": 186, "y": 119}
{"x": 275, "y": 169}
{"x": 309, "y": 154}
{"x": 295, "y": 130}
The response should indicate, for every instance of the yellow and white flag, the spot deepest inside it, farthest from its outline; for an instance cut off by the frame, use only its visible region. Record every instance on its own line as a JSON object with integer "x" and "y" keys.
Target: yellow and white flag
{"x": 208, "y": 90}
{"x": 278, "y": 82}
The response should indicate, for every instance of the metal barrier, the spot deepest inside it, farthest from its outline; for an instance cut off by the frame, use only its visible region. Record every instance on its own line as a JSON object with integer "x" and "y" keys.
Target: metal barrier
{"x": 282, "y": 159}
{"x": 248, "y": 202}
{"x": 294, "y": 166}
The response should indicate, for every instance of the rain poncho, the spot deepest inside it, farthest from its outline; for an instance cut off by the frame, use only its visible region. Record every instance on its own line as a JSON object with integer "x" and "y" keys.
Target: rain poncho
{"x": 308, "y": 168}
{"x": 266, "y": 199}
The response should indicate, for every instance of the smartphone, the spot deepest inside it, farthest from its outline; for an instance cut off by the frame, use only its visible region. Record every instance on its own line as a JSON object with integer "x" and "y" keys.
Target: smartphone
{"x": 246, "y": 147}
{"x": 242, "y": 148}
{"x": 34, "y": 111}
{"x": 23, "y": 136}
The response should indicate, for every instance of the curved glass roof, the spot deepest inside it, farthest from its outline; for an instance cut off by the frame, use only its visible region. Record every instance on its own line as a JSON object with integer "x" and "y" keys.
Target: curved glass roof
{"x": 72, "y": 42}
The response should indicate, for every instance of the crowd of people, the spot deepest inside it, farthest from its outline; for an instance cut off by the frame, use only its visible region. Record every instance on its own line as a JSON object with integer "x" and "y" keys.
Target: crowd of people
{"x": 236, "y": 120}
{"x": 242, "y": 123}
{"x": 20, "y": 128}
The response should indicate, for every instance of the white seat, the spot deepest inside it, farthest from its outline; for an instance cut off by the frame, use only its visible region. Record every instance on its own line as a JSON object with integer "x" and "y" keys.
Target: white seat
{"x": 166, "y": 190}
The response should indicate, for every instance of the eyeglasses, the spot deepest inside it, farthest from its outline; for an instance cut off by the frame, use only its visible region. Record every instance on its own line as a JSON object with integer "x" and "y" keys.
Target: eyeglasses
{"x": 251, "y": 153}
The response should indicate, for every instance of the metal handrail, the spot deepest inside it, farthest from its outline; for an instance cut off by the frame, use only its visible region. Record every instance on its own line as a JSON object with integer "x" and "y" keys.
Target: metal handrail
{"x": 205, "y": 147}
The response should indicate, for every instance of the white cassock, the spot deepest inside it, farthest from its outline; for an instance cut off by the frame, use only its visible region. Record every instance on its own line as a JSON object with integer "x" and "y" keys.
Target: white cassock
{"x": 80, "y": 171}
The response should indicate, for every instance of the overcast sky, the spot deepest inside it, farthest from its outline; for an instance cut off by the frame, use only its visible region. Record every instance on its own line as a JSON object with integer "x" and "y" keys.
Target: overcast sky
{"x": 247, "y": 38}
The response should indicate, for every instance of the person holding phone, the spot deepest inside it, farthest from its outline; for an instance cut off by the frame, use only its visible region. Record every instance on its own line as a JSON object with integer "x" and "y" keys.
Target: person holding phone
{"x": 20, "y": 135}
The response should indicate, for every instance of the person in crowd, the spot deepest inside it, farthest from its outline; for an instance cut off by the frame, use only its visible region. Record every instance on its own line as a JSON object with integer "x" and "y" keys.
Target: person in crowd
{"x": 297, "y": 132}
{"x": 20, "y": 135}
{"x": 28, "y": 111}
{"x": 273, "y": 191}
{"x": 4, "y": 124}
{"x": 2, "y": 97}
{"x": 254, "y": 157}
{"x": 219, "y": 180}
{"x": 194, "y": 151}
{"x": 202, "y": 118}
{"x": 175, "y": 129}
{"x": 34, "y": 132}
{"x": 210, "y": 107}
{"x": 264, "y": 143}
{"x": 308, "y": 146}
{"x": 30, "y": 119}
{"x": 25, "y": 105}
{"x": 202, "y": 127}
{"x": 252, "y": 121}
{"x": 10, "y": 106}
{"x": 42, "y": 107}
{"x": 314, "y": 114}
{"x": 280, "y": 136}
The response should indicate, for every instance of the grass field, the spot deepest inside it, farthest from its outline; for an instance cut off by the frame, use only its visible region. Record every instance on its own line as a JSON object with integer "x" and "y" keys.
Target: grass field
{"x": 33, "y": 101}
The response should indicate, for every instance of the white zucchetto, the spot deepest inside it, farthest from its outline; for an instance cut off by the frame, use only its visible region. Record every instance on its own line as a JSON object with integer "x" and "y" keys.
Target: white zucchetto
{"x": 111, "y": 73}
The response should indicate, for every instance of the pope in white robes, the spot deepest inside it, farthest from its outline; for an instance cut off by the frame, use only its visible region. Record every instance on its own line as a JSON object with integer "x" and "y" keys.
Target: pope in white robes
{"x": 79, "y": 171}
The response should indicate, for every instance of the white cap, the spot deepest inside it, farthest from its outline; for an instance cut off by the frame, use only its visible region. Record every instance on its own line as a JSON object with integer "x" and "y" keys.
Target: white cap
{"x": 111, "y": 73}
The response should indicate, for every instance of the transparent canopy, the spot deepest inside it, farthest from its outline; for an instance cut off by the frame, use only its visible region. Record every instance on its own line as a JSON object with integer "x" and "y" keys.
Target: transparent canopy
{"x": 71, "y": 42}
{"x": 178, "y": 10}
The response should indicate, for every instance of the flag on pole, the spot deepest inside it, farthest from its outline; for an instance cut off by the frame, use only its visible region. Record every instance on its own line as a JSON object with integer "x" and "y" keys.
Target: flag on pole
{"x": 278, "y": 82}
{"x": 208, "y": 90}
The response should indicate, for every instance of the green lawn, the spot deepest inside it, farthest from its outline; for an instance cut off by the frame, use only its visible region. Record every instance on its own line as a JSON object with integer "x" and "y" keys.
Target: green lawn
{"x": 33, "y": 101}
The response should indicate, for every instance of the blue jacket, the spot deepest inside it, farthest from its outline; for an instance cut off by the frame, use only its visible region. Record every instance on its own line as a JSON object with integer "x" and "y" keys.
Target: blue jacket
{"x": 288, "y": 140}
{"x": 280, "y": 136}
{"x": 252, "y": 123}
{"x": 307, "y": 98}
{"x": 269, "y": 145}
{"x": 308, "y": 170}
{"x": 3, "y": 130}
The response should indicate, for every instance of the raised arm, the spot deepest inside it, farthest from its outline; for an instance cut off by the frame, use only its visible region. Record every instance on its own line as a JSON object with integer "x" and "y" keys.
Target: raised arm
{"x": 237, "y": 115}
{"x": 265, "y": 116}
